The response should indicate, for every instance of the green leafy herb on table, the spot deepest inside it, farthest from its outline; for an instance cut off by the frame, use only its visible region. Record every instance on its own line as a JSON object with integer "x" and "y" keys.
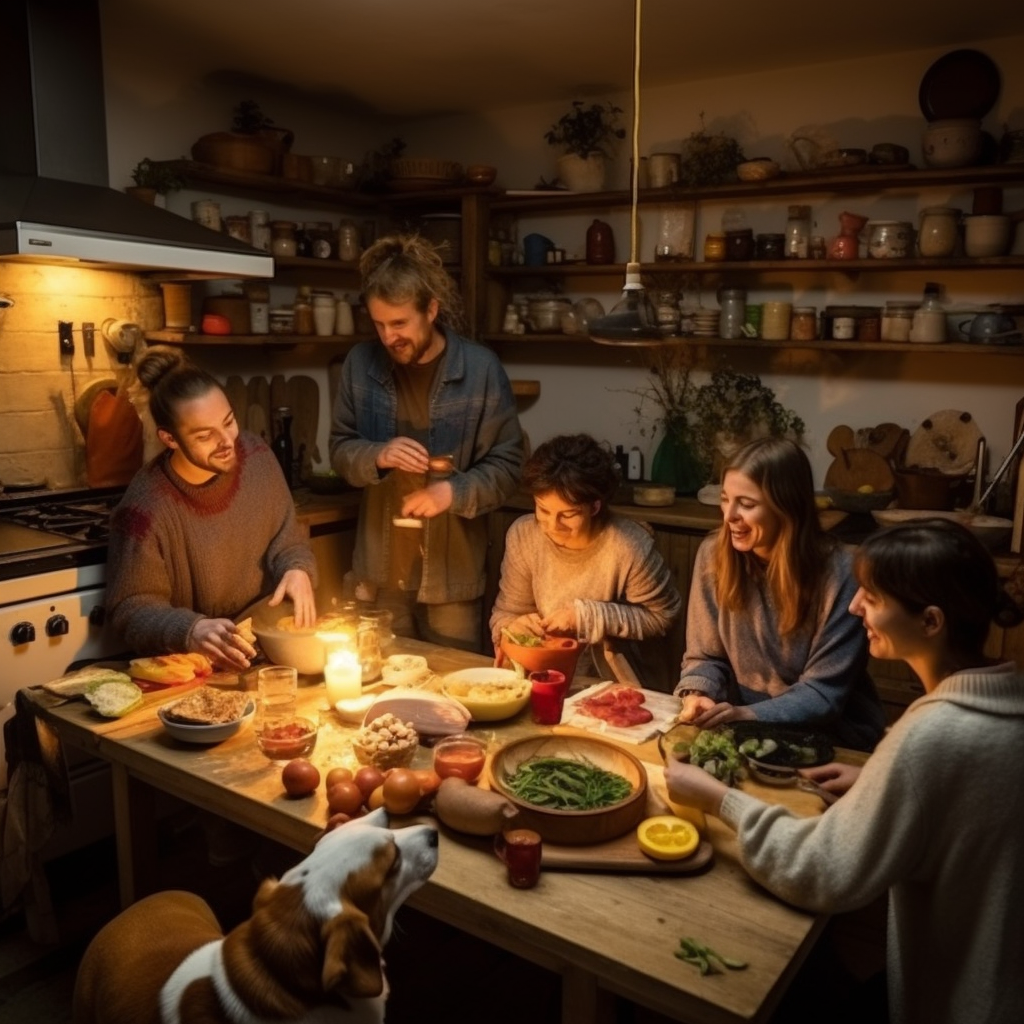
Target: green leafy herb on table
{"x": 705, "y": 958}
{"x": 566, "y": 784}
{"x": 715, "y": 751}
{"x": 524, "y": 639}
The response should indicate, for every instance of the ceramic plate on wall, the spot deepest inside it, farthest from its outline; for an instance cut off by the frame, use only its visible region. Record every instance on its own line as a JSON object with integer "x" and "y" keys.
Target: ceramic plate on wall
{"x": 960, "y": 84}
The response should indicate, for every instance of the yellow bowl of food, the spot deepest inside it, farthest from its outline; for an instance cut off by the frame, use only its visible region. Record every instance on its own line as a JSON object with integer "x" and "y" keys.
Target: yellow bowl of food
{"x": 488, "y": 694}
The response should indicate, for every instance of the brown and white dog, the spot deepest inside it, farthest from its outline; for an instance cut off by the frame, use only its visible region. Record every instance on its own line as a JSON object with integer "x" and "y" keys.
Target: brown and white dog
{"x": 311, "y": 952}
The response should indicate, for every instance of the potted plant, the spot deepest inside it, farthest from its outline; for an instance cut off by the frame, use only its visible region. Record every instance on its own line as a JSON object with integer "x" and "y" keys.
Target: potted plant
{"x": 153, "y": 179}
{"x": 702, "y": 425}
{"x": 587, "y": 133}
{"x": 254, "y": 145}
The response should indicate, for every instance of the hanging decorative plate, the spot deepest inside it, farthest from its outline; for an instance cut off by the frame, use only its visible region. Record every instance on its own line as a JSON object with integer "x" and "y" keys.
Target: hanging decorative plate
{"x": 960, "y": 84}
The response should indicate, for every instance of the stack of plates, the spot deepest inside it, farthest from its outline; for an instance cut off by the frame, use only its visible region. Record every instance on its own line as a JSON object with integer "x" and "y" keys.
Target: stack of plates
{"x": 705, "y": 323}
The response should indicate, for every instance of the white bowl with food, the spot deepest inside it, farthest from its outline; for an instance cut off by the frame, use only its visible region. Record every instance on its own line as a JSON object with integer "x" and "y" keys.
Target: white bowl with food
{"x": 207, "y": 715}
{"x": 488, "y": 694}
{"x": 405, "y": 670}
{"x": 284, "y": 643}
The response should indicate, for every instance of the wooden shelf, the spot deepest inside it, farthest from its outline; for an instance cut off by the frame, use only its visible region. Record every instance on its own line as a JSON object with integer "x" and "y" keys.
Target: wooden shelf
{"x": 560, "y": 270}
{"x": 182, "y": 337}
{"x": 525, "y": 388}
{"x": 942, "y": 348}
{"x": 821, "y": 183}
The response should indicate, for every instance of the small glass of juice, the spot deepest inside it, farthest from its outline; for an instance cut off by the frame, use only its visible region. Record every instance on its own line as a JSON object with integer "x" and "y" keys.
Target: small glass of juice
{"x": 462, "y": 756}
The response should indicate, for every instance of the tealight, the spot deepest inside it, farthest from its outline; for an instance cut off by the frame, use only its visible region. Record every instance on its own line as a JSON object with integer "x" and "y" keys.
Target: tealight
{"x": 343, "y": 676}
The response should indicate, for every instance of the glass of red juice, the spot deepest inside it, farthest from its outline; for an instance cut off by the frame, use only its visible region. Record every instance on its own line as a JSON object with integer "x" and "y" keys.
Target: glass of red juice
{"x": 547, "y": 695}
{"x": 460, "y": 756}
{"x": 521, "y": 850}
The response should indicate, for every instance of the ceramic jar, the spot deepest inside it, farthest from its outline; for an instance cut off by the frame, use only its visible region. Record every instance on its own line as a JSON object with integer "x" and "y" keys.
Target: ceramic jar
{"x": 714, "y": 248}
{"x": 952, "y": 143}
{"x": 889, "y": 239}
{"x": 733, "y": 311}
{"x": 896, "y": 320}
{"x": 282, "y": 238}
{"x": 600, "y": 243}
{"x": 936, "y": 237}
{"x": 846, "y": 245}
{"x": 987, "y": 235}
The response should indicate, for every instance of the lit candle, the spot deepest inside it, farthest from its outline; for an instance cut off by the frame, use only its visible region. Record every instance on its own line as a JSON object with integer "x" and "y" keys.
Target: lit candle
{"x": 343, "y": 676}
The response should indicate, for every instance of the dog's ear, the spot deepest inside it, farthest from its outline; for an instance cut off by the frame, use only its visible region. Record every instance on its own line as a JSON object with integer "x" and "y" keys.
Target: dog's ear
{"x": 352, "y": 956}
{"x": 378, "y": 817}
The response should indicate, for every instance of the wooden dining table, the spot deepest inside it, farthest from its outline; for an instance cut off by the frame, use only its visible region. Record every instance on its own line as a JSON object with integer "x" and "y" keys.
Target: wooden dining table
{"x": 606, "y": 933}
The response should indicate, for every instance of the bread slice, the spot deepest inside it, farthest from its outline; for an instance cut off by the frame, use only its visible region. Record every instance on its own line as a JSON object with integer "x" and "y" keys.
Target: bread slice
{"x": 208, "y": 706}
{"x": 114, "y": 699}
{"x": 76, "y": 684}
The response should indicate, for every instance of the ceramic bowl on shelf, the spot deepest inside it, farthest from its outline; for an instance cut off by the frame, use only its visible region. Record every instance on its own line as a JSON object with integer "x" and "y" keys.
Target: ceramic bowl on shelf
{"x": 952, "y": 143}
{"x": 481, "y": 174}
{"x": 761, "y": 169}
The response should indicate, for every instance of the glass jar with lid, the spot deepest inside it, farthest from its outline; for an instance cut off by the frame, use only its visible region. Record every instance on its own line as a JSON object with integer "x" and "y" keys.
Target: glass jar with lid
{"x": 798, "y": 232}
{"x": 937, "y": 234}
{"x": 348, "y": 241}
{"x": 803, "y": 325}
{"x": 282, "y": 238}
{"x": 714, "y": 247}
{"x": 897, "y": 319}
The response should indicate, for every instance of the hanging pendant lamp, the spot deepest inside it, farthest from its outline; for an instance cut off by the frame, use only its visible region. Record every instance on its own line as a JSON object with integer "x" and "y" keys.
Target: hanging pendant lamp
{"x": 633, "y": 320}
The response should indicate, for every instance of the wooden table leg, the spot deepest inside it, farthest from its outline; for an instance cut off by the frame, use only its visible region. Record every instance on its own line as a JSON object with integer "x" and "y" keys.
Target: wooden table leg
{"x": 135, "y": 835}
{"x": 583, "y": 1000}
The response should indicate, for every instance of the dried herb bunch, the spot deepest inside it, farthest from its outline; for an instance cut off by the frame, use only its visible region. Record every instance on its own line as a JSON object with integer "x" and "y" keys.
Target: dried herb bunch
{"x": 709, "y": 159}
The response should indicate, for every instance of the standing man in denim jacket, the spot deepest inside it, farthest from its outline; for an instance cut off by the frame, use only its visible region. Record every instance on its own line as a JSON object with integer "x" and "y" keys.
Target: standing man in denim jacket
{"x": 421, "y": 394}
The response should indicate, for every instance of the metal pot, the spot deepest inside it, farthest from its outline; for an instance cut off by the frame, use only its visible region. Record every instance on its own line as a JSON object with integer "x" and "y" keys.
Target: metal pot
{"x": 545, "y": 315}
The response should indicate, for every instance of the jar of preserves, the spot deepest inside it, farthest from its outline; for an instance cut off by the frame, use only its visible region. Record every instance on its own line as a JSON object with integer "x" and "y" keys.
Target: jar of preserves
{"x": 282, "y": 238}
{"x": 714, "y": 248}
{"x": 869, "y": 324}
{"x": 798, "y": 233}
{"x": 936, "y": 237}
{"x": 752, "y": 320}
{"x": 303, "y": 311}
{"x": 896, "y": 320}
{"x": 804, "y": 324}
{"x": 775, "y": 317}
{"x": 282, "y": 321}
{"x": 733, "y": 303}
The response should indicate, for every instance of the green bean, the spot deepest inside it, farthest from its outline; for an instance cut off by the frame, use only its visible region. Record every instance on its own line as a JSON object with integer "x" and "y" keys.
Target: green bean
{"x": 566, "y": 784}
{"x": 704, "y": 957}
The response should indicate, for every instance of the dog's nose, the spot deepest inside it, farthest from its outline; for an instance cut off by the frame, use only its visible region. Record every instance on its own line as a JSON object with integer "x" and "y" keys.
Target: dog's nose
{"x": 432, "y": 838}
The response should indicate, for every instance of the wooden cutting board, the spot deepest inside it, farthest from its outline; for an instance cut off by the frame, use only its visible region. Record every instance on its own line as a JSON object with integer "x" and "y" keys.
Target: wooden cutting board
{"x": 238, "y": 395}
{"x": 947, "y": 441}
{"x": 855, "y": 467}
{"x": 622, "y": 854}
{"x": 258, "y": 414}
{"x": 278, "y": 392}
{"x": 304, "y": 399}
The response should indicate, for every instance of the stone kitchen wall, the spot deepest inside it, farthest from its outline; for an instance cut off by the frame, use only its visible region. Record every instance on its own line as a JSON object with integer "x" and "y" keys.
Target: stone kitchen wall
{"x": 40, "y": 441}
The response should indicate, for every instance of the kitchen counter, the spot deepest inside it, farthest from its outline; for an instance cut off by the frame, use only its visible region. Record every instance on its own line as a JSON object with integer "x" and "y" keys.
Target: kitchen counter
{"x": 318, "y": 509}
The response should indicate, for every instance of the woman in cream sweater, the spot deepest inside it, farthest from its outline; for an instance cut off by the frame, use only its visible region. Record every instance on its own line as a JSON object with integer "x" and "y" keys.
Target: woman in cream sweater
{"x": 934, "y": 816}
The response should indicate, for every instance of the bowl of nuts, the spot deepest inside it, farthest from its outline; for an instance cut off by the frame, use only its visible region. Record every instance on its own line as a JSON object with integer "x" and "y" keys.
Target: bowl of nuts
{"x": 386, "y": 742}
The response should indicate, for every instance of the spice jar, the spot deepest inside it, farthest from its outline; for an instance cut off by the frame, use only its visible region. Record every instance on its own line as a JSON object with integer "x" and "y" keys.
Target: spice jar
{"x": 323, "y": 314}
{"x": 804, "y": 324}
{"x": 798, "y": 232}
{"x": 282, "y": 238}
{"x": 869, "y": 324}
{"x": 282, "y": 321}
{"x": 733, "y": 309}
{"x": 714, "y": 248}
{"x": 303, "y": 311}
{"x": 937, "y": 235}
{"x": 348, "y": 241}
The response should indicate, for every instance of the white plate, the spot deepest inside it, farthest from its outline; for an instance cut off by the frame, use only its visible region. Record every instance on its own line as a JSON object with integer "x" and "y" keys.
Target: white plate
{"x": 206, "y": 733}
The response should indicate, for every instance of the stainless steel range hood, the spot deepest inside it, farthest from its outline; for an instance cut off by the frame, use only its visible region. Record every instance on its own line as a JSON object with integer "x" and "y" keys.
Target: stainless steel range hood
{"x": 55, "y": 202}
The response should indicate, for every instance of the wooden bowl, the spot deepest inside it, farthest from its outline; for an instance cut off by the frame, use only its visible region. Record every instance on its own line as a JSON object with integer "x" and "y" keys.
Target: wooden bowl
{"x": 481, "y": 174}
{"x": 574, "y": 828}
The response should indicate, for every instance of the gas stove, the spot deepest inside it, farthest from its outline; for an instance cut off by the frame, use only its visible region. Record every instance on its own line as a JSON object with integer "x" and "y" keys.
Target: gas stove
{"x": 47, "y": 531}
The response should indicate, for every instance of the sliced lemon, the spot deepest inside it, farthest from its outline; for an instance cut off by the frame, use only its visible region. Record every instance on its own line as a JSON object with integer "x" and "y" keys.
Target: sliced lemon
{"x": 865, "y": 489}
{"x": 666, "y": 837}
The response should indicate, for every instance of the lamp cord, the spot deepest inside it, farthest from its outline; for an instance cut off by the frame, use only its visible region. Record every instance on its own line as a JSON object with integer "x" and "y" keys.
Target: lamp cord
{"x": 635, "y": 167}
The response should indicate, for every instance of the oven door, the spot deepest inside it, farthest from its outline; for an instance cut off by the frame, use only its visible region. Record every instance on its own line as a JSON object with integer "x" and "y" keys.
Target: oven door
{"x": 48, "y": 655}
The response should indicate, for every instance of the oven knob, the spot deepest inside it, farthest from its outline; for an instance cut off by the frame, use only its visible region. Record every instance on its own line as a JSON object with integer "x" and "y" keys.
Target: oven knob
{"x": 97, "y": 615}
{"x": 23, "y": 633}
{"x": 57, "y": 625}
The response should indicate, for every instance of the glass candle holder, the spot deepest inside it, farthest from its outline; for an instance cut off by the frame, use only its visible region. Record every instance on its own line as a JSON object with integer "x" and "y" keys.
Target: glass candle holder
{"x": 343, "y": 675}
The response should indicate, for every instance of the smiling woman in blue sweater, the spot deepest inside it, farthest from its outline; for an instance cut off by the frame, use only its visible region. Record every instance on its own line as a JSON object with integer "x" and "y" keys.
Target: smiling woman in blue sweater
{"x": 769, "y": 636}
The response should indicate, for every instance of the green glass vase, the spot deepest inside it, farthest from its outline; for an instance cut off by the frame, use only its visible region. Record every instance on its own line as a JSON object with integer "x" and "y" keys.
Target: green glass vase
{"x": 676, "y": 463}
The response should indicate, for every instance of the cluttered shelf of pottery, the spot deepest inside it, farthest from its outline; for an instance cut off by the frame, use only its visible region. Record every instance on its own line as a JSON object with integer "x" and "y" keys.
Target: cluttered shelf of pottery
{"x": 878, "y": 179}
{"x": 194, "y": 173}
{"x": 575, "y": 269}
{"x": 944, "y": 348}
{"x": 311, "y": 263}
{"x": 178, "y": 337}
